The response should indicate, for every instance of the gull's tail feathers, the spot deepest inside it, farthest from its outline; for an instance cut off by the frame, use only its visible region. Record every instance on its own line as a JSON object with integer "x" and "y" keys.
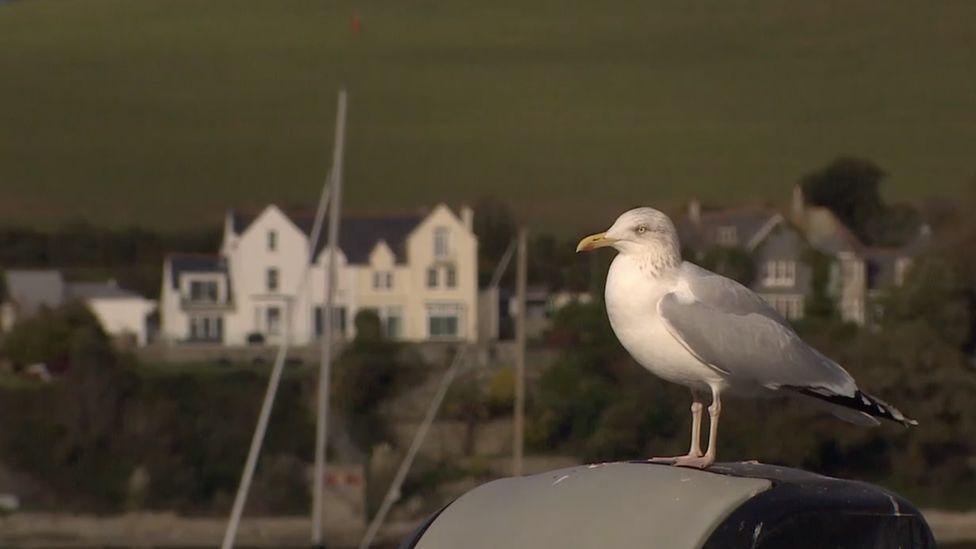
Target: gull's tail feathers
{"x": 860, "y": 409}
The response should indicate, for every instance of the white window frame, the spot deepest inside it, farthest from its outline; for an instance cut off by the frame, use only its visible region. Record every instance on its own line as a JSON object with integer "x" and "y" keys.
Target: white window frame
{"x": 206, "y": 328}
{"x": 442, "y": 242}
{"x": 445, "y": 311}
{"x": 727, "y": 235}
{"x": 779, "y": 273}
{"x": 393, "y": 312}
{"x": 382, "y": 280}
{"x": 450, "y": 276}
{"x": 276, "y": 278}
{"x": 432, "y": 278}
{"x": 204, "y": 280}
{"x": 272, "y": 328}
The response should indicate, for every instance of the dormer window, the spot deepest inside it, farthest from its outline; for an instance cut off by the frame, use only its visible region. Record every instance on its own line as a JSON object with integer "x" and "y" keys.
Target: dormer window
{"x": 272, "y": 240}
{"x": 442, "y": 245}
{"x": 727, "y": 236}
{"x": 204, "y": 291}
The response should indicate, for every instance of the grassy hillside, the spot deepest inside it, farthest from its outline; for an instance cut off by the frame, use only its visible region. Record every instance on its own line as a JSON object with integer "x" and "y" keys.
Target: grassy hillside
{"x": 164, "y": 112}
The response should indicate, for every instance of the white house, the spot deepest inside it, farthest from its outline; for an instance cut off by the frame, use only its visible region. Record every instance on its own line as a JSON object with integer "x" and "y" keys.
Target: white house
{"x": 418, "y": 272}
{"x": 121, "y": 313}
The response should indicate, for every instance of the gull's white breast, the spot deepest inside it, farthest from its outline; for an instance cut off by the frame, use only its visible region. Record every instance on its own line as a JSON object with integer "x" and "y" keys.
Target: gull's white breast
{"x": 632, "y": 297}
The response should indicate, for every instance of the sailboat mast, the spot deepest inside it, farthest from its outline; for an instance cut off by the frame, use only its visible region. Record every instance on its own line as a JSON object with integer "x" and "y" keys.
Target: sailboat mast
{"x": 325, "y": 367}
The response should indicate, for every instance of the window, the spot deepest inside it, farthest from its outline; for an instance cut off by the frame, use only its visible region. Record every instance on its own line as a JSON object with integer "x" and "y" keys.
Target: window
{"x": 432, "y": 277}
{"x": 790, "y": 307}
{"x": 779, "y": 273}
{"x": 382, "y": 280}
{"x": 393, "y": 322}
{"x": 206, "y": 328}
{"x": 272, "y": 240}
{"x": 272, "y": 279}
{"x": 443, "y": 321}
{"x": 727, "y": 236}
{"x": 902, "y": 264}
{"x": 441, "y": 242}
{"x": 203, "y": 290}
{"x": 451, "y": 276}
{"x": 273, "y": 320}
{"x": 338, "y": 320}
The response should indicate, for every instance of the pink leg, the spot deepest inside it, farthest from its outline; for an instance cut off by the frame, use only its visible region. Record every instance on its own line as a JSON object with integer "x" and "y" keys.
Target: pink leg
{"x": 701, "y": 462}
{"x": 695, "y": 450}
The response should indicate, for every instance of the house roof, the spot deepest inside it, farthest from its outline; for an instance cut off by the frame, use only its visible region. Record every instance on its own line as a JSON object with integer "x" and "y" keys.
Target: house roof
{"x": 194, "y": 263}
{"x": 358, "y": 235}
{"x": 32, "y": 289}
{"x": 749, "y": 223}
{"x": 99, "y": 290}
{"x": 828, "y": 234}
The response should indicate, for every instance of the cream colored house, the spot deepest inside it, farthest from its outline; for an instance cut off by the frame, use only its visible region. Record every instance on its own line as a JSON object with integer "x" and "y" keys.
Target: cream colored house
{"x": 418, "y": 272}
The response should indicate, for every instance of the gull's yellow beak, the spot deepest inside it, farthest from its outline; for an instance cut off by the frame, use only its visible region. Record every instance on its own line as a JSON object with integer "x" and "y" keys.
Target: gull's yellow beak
{"x": 593, "y": 242}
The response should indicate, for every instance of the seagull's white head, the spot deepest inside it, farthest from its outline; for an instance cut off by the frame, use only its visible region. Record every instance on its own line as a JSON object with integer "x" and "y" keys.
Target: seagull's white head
{"x": 642, "y": 231}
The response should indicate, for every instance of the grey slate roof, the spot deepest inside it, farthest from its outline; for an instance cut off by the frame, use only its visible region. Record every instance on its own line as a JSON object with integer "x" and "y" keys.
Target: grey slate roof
{"x": 194, "y": 263}
{"x": 102, "y": 290}
{"x": 747, "y": 220}
{"x": 32, "y": 289}
{"x": 358, "y": 235}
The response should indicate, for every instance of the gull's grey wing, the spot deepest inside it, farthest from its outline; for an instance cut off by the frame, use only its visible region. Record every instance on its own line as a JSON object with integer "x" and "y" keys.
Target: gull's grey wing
{"x": 733, "y": 330}
{"x": 731, "y": 296}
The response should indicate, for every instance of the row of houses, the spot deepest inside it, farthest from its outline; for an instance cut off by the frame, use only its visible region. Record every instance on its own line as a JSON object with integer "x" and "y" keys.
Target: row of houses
{"x": 419, "y": 274}
{"x": 780, "y": 246}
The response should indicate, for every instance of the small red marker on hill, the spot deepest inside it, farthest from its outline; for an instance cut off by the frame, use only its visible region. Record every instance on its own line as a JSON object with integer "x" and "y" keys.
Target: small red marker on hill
{"x": 357, "y": 24}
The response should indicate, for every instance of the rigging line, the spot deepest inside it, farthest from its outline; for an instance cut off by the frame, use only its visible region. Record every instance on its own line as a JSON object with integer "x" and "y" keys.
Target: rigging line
{"x": 394, "y": 491}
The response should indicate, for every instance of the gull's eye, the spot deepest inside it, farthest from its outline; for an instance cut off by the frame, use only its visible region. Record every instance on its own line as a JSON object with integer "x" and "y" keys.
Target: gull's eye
{"x": 641, "y": 229}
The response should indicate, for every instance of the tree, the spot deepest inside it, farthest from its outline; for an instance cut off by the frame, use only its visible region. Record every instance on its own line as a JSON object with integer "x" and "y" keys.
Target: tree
{"x": 850, "y": 188}
{"x": 370, "y": 370}
{"x": 595, "y": 401}
{"x": 46, "y": 337}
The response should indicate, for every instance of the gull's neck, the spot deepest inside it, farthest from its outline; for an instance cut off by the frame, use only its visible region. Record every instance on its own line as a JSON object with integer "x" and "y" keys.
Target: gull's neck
{"x": 658, "y": 261}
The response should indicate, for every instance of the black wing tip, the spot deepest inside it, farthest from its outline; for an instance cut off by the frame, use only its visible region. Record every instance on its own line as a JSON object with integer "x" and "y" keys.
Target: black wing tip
{"x": 861, "y": 402}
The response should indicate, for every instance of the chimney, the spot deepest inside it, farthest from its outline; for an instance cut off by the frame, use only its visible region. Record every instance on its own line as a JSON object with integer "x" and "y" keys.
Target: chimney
{"x": 798, "y": 204}
{"x": 694, "y": 211}
{"x": 467, "y": 217}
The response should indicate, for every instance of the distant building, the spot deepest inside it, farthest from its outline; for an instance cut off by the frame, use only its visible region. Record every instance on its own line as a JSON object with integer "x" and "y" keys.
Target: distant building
{"x": 860, "y": 274}
{"x": 781, "y": 274}
{"x": 780, "y": 248}
{"x": 124, "y": 315}
{"x": 27, "y": 292}
{"x": 418, "y": 272}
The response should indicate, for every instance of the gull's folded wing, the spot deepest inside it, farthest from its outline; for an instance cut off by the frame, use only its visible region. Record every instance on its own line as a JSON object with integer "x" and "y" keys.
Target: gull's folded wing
{"x": 733, "y": 330}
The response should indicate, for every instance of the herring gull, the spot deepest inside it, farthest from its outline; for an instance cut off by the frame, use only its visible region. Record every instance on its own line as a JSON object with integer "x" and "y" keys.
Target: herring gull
{"x": 713, "y": 335}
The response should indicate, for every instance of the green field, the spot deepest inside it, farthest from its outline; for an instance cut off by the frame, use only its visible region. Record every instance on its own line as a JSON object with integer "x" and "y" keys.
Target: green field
{"x": 163, "y": 112}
